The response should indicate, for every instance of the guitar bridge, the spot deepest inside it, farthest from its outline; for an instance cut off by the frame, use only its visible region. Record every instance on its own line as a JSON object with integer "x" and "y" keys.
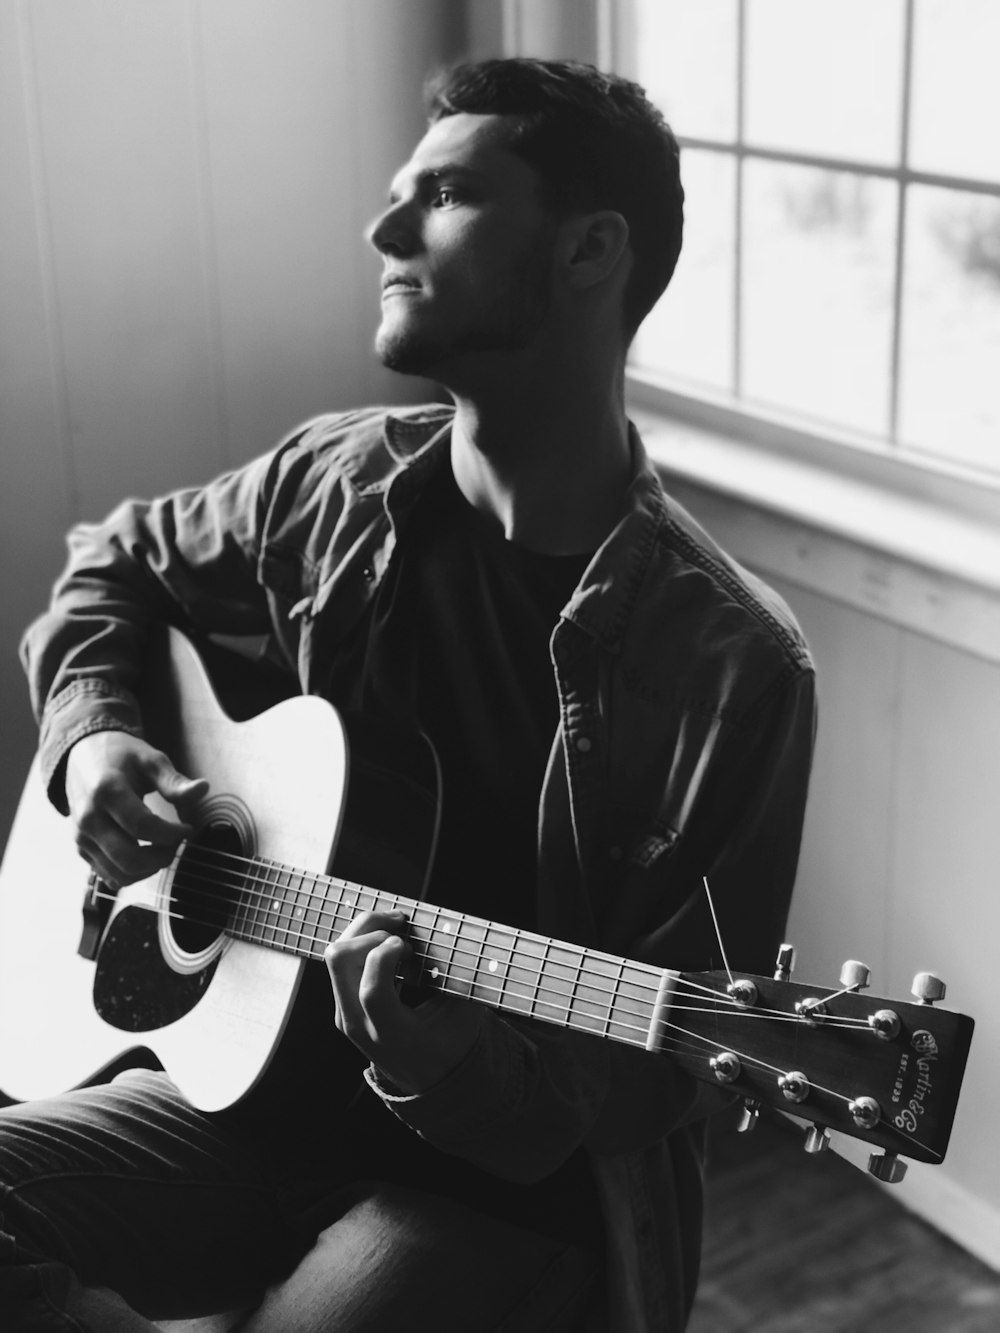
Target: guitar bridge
{"x": 96, "y": 912}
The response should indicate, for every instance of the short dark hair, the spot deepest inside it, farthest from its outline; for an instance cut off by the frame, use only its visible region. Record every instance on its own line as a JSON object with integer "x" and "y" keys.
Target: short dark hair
{"x": 596, "y": 141}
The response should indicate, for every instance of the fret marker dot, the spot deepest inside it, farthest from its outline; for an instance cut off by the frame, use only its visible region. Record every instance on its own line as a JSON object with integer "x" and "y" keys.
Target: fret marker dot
{"x": 274, "y": 905}
{"x": 435, "y": 973}
{"x": 493, "y": 964}
{"x": 447, "y": 927}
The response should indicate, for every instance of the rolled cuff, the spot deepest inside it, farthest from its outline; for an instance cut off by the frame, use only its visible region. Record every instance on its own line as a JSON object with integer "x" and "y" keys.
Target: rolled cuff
{"x": 84, "y": 707}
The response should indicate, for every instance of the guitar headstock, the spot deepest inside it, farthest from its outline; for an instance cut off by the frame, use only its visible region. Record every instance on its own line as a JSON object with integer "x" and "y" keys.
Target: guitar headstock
{"x": 885, "y": 1072}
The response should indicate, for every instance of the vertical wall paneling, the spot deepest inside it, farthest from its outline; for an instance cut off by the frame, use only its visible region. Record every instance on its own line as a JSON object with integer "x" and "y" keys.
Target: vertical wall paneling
{"x": 900, "y": 856}
{"x": 183, "y": 271}
{"x": 841, "y": 909}
{"x": 118, "y": 133}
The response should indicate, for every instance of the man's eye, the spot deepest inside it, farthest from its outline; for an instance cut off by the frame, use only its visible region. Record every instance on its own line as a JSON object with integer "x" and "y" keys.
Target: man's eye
{"x": 445, "y": 196}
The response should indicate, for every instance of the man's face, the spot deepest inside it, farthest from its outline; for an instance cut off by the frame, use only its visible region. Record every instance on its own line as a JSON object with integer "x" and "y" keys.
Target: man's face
{"x": 467, "y": 250}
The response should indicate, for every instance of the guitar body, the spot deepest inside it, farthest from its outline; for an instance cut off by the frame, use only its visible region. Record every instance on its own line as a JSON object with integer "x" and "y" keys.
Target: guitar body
{"x": 313, "y": 819}
{"x": 211, "y": 1009}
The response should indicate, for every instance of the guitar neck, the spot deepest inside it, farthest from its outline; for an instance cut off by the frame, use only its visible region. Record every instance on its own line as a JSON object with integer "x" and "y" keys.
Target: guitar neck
{"x": 887, "y": 1072}
{"x": 516, "y": 971}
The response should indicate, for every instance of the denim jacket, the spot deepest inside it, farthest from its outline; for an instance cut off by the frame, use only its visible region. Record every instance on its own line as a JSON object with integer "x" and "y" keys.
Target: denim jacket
{"x": 682, "y": 753}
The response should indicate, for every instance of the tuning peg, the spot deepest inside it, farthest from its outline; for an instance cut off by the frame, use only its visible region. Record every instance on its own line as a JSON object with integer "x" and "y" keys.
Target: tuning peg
{"x": 887, "y": 1167}
{"x": 817, "y": 1139}
{"x": 750, "y": 1116}
{"x": 855, "y": 975}
{"x": 785, "y": 962}
{"x": 928, "y": 988}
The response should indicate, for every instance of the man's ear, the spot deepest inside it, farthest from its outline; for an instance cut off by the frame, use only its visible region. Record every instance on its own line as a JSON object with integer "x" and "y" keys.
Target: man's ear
{"x": 596, "y": 243}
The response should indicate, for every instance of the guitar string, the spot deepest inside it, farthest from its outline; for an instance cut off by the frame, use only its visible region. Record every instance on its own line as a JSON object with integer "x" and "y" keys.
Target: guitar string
{"x": 613, "y": 1018}
{"x": 417, "y": 906}
{"x": 675, "y": 1038}
{"x": 280, "y": 889}
{"x": 593, "y": 980}
{"x": 598, "y": 983}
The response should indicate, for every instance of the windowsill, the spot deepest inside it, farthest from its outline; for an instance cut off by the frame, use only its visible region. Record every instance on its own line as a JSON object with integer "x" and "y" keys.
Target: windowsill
{"x": 909, "y": 560}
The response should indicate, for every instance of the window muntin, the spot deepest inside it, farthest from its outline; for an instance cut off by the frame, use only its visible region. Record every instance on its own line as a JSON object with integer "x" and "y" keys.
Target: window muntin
{"x": 857, "y": 183}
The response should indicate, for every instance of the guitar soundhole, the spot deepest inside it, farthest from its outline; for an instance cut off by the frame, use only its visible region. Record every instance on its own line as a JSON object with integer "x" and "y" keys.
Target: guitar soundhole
{"x": 204, "y": 886}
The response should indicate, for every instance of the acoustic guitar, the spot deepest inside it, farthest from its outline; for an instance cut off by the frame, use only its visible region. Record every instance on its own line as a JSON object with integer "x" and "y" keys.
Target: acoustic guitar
{"x": 309, "y": 822}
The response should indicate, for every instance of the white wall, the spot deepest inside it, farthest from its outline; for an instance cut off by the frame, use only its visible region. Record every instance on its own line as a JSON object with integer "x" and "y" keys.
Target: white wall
{"x": 902, "y": 841}
{"x": 182, "y": 270}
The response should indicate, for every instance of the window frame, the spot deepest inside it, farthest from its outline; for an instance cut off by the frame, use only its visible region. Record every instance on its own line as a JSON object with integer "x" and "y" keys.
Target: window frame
{"x": 884, "y": 461}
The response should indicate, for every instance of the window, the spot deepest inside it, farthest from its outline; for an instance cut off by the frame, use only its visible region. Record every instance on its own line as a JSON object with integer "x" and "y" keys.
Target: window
{"x": 841, "y": 267}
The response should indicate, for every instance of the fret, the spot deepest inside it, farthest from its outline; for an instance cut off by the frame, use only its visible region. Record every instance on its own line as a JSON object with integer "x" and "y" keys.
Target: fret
{"x": 593, "y": 1000}
{"x": 272, "y": 922}
{"x": 322, "y": 913}
{"x": 424, "y": 925}
{"x": 496, "y": 955}
{"x": 633, "y": 1004}
{"x": 613, "y": 995}
{"x": 450, "y": 929}
{"x": 280, "y": 905}
{"x": 466, "y": 951}
{"x": 240, "y": 897}
{"x": 557, "y": 991}
{"x": 486, "y": 991}
{"x": 256, "y": 926}
{"x": 351, "y": 900}
{"x": 307, "y": 907}
{"x": 296, "y": 909}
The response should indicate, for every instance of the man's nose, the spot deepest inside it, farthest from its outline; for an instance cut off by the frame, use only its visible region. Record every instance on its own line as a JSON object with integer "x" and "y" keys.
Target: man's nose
{"x": 394, "y": 231}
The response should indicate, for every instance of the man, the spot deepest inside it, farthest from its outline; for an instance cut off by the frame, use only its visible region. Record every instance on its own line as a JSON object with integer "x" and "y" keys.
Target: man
{"x": 620, "y": 712}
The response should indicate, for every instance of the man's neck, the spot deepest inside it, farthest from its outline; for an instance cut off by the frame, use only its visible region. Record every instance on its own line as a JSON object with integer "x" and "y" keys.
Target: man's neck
{"x": 551, "y": 465}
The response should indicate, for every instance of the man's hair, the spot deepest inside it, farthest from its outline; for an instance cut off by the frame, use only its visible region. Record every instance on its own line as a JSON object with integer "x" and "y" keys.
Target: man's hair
{"x": 596, "y": 142}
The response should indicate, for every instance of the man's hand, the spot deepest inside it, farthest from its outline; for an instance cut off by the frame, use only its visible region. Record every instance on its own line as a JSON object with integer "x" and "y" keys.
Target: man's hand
{"x": 414, "y": 1047}
{"x": 107, "y": 775}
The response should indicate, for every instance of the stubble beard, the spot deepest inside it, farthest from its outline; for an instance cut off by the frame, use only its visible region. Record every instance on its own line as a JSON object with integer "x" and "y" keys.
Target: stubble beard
{"x": 507, "y": 324}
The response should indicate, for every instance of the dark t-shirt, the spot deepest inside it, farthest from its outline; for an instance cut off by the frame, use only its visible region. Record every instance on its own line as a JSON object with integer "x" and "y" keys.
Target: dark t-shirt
{"x": 457, "y": 641}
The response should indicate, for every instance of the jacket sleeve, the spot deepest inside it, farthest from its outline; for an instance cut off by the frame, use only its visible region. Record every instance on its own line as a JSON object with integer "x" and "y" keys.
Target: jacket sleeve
{"x": 528, "y": 1093}
{"x": 189, "y": 559}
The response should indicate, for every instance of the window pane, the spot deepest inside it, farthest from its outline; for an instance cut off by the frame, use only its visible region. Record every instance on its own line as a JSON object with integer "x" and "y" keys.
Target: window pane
{"x": 690, "y": 331}
{"x": 686, "y": 61}
{"x": 955, "y": 116}
{"x": 825, "y": 77}
{"x": 950, "y": 374}
{"x": 818, "y": 283}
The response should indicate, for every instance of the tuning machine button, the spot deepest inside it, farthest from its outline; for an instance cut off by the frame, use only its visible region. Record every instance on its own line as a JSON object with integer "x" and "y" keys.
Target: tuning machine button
{"x": 784, "y": 963}
{"x": 928, "y": 988}
{"x": 750, "y": 1116}
{"x": 887, "y": 1167}
{"x": 817, "y": 1139}
{"x": 855, "y": 975}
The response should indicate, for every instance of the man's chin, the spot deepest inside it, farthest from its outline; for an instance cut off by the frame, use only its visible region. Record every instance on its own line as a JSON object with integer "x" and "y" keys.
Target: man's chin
{"x": 406, "y": 355}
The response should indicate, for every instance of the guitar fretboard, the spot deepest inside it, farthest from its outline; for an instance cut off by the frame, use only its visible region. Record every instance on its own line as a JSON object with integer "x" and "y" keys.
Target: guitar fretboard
{"x": 513, "y": 970}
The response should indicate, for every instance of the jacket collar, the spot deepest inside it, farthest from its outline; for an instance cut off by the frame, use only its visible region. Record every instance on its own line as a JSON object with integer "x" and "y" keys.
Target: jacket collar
{"x": 415, "y": 442}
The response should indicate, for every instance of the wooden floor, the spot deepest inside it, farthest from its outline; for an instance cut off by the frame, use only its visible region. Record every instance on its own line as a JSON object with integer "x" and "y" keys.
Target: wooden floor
{"x": 796, "y": 1244}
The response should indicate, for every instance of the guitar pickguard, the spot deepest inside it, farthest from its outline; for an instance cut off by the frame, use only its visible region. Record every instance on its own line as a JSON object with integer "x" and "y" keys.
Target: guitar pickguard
{"x": 135, "y": 990}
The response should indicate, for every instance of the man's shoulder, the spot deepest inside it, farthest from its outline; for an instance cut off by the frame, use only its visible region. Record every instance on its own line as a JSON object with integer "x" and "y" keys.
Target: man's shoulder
{"x": 739, "y": 609}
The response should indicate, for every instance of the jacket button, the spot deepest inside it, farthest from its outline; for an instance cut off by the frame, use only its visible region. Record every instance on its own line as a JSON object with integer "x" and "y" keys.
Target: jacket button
{"x": 368, "y": 573}
{"x": 584, "y": 744}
